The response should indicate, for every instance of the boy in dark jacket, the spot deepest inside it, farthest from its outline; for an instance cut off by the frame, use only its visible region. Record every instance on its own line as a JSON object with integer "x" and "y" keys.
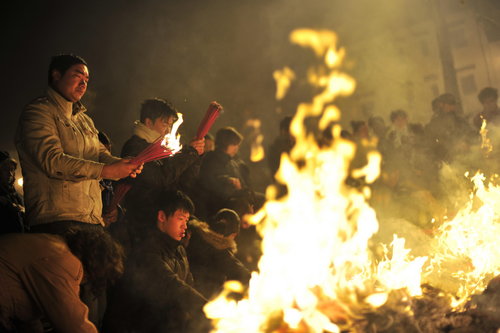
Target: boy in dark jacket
{"x": 156, "y": 293}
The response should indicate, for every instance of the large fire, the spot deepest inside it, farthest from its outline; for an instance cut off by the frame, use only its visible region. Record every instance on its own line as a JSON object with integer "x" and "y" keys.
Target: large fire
{"x": 466, "y": 253}
{"x": 318, "y": 272}
{"x": 316, "y": 266}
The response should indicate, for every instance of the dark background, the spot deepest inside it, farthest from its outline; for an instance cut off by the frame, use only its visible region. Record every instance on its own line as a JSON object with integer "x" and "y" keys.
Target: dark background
{"x": 190, "y": 52}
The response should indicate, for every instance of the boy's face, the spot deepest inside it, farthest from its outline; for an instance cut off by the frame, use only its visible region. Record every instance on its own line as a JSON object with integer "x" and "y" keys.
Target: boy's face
{"x": 232, "y": 150}
{"x": 160, "y": 125}
{"x": 174, "y": 225}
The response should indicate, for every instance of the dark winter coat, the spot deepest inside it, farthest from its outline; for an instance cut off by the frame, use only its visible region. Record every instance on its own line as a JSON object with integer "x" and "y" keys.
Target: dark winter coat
{"x": 216, "y": 169}
{"x": 155, "y": 293}
{"x": 212, "y": 260}
{"x": 178, "y": 172}
{"x": 446, "y": 132}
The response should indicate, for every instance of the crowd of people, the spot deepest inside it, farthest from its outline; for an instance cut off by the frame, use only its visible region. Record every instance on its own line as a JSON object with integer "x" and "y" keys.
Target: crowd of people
{"x": 74, "y": 259}
{"x": 423, "y": 165}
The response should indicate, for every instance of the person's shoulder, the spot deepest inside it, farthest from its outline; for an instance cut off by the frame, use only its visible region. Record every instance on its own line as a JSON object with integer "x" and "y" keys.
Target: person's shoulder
{"x": 42, "y": 103}
{"x": 133, "y": 146}
{"x": 40, "y": 100}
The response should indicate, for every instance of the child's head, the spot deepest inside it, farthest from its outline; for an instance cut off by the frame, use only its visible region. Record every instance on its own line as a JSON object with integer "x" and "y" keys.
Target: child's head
{"x": 226, "y": 222}
{"x": 173, "y": 210}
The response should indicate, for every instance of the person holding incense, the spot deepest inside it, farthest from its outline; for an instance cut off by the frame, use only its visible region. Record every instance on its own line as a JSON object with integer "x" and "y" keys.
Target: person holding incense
{"x": 61, "y": 157}
{"x": 177, "y": 172}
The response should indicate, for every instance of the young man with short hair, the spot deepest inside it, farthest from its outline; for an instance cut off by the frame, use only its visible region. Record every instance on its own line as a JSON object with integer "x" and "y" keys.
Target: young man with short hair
{"x": 156, "y": 293}
{"x": 177, "y": 172}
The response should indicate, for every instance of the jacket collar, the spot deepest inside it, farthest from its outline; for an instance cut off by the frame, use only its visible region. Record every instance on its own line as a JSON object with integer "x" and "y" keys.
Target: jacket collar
{"x": 162, "y": 240}
{"x": 67, "y": 108}
{"x": 221, "y": 155}
{"x": 145, "y": 133}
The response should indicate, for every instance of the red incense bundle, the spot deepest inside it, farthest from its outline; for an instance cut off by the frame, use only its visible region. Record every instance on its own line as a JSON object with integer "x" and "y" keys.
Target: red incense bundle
{"x": 161, "y": 148}
{"x": 155, "y": 151}
{"x": 213, "y": 111}
{"x": 120, "y": 189}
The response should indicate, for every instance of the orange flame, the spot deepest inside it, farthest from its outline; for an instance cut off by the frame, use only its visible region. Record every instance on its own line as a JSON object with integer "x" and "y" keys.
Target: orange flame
{"x": 171, "y": 141}
{"x": 316, "y": 262}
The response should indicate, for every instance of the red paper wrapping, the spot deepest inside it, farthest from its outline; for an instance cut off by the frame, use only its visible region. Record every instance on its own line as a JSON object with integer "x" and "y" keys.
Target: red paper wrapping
{"x": 213, "y": 111}
{"x": 155, "y": 151}
{"x": 120, "y": 189}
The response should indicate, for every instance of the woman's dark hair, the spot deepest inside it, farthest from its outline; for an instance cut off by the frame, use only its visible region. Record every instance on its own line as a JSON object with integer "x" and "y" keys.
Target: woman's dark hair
{"x": 157, "y": 108}
{"x": 101, "y": 256}
{"x": 227, "y": 136}
{"x": 62, "y": 63}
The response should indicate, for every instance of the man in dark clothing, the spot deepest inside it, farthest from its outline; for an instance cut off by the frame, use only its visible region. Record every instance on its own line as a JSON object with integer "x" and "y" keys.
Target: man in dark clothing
{"x": 177, "y": 172}
{"x": 222, "y": 174}
{"x": 211, "y": 252}
{"x": 448, "y": 133}
{"x": 156, "y": 293}
{"x": 11, "y": 203}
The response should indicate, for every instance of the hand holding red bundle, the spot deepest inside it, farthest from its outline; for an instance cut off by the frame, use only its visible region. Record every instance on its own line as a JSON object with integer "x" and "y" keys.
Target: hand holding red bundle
{"x": 155, "y": 151}
{"x": 213, "y": 111}
{"x": 161, "y": 148}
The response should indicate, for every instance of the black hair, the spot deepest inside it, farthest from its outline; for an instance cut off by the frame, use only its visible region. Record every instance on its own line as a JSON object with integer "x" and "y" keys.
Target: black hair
{"x": 241, "y": 202}
{"x": 209, "y": 136}
{"x": 171, "y": 201}
{"x": 157, "y": 108}
{"x": 101, "y": 256}
{"x": 226, "y": 222}
{"x": 398, "y": 113}
{"x": 486, "y": 93}
{"x": 62, "y": 63}
{"x": 227, "y": 136}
